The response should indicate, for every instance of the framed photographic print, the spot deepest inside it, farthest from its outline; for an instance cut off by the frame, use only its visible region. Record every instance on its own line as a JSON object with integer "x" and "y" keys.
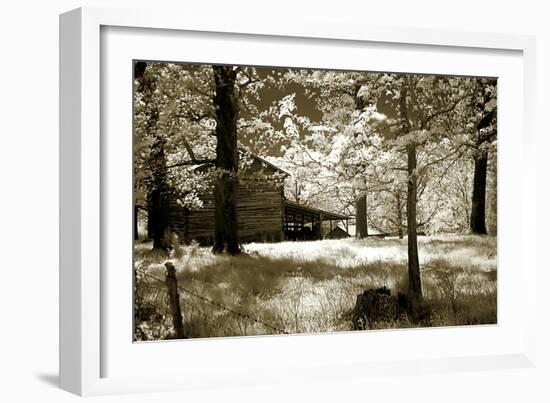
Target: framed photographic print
{"x": 240, "y": 197}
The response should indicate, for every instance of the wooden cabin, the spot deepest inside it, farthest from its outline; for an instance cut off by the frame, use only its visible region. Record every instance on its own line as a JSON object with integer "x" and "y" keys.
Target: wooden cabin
{"x": 263, "y": 213}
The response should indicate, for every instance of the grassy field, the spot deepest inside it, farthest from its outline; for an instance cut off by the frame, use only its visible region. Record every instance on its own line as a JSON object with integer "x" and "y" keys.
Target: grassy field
{"x": 304, "y": 287}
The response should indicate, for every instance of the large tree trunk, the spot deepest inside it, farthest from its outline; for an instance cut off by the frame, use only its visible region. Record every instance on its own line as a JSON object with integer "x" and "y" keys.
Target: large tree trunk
{"x": 361, "y": 225}
{"x": 399, "y": 215}
{"x": 150, "y": 216}
{"x": 227, "y": 160}
{"x": 159, "y": 196}
{"x": 415, "y": 285}
{"x": 136, "y": 215}
{"x": 477, "y": 218}
{"x": 157, "y": 220}
{"x": 485, "y": 135}
{"x": 361, "y": 206}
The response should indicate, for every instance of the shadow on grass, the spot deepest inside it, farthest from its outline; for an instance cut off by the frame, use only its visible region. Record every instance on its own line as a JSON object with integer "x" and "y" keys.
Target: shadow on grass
{"x": 262, "y": 275}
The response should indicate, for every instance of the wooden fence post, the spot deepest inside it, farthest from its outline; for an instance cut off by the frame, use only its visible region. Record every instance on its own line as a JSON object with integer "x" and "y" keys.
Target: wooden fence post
{"x": 173, "y": 294}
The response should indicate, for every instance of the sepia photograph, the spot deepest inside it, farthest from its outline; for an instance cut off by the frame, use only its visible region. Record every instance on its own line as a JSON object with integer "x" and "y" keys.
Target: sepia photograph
{"x": 273, "y": 200}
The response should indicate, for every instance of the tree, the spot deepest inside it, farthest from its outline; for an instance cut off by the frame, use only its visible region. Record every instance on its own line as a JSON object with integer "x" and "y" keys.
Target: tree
{"x": 139, "y": 69}
{"x": 415, "y": 285}
{"x": 423, "y": 106}
{"x": 324, "y": 147}
{"x": 361, "y": 225}
{"x": 486, "y": 133}
{"x": 157, "y": 189}
{"x": 173, "y": 132}
{"x": 227, "y": 161}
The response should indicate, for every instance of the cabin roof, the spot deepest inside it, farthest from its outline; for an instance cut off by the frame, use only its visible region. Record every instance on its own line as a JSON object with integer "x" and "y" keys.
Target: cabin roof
{"x": 259, "y": 159}
{"x": 301, "y": 209}
{"x": 269, "y": 164}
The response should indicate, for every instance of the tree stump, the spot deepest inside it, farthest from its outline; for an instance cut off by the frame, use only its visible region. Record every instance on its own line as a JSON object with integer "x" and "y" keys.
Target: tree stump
{"x": 374, "y": 305}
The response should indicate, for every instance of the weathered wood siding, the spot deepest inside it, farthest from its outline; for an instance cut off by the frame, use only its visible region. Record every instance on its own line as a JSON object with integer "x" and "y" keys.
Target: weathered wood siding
{"x": 259, "y": 215}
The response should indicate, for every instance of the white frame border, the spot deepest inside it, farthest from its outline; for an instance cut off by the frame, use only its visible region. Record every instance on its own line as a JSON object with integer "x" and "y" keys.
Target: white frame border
{"x": 80, "y": 258}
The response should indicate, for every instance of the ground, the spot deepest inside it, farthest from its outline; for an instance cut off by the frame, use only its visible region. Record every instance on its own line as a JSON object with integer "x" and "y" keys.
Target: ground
{"x": 305, "y": 287}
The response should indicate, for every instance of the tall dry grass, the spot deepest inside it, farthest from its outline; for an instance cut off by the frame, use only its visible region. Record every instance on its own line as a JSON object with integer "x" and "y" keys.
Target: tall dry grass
{"x": 305, "y": 287}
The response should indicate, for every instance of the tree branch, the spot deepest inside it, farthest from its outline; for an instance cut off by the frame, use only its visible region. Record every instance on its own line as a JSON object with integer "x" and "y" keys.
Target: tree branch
{"x": 427, "y": 120}
{"x": 191, "y": 162}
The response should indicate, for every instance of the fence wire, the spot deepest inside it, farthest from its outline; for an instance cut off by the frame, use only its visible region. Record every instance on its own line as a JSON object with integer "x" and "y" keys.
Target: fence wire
{"x": 160, "y": 295}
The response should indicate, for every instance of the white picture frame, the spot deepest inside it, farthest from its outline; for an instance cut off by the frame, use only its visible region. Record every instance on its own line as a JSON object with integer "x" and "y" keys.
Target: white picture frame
{"x": 85, "y": 306}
